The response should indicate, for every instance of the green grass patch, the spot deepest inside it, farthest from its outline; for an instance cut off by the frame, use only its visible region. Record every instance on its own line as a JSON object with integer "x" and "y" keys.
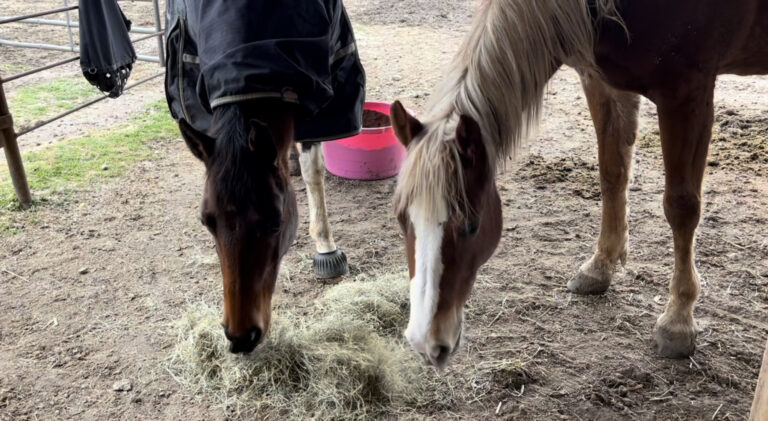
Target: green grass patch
{"x": 44, "y": 100}
{"x": 56, "y": 171}
{"x": 10, "y": 68}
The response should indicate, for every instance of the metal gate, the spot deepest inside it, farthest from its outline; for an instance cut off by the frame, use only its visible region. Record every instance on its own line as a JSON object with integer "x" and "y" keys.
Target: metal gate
{"x": 8, "y": 134}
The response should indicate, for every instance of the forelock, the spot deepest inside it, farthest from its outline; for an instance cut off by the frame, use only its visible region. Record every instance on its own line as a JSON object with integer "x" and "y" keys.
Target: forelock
{"x": 233, "y": 168}
{"x": 432, "y": 178}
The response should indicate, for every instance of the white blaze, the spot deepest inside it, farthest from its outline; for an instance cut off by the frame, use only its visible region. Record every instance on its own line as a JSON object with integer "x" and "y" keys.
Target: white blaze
{"x": 429, "y": 268}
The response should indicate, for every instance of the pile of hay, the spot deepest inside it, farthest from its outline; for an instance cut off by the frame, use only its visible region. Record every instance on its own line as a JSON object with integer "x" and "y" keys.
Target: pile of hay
{"x": 344, "y": 361}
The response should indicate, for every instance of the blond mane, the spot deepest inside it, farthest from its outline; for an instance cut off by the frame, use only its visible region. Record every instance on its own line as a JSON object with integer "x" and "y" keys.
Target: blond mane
{"x": 497, "y": 78}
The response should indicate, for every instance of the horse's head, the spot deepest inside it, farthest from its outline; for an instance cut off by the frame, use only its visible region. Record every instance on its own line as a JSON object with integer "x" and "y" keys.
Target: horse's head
{"x": 250, "y": 209}
{"x": 450, "y": 212}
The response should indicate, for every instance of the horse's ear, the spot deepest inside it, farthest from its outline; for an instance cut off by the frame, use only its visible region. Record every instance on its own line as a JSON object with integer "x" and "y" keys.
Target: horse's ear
{"x": 261, "y": 142}
{"x": 200, "y": 144}
{"x": 469, "y": 140}
{"x": 405, "y": 125}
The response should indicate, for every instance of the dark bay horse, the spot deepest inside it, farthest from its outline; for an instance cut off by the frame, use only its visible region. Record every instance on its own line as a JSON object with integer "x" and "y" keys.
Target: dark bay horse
{"x": 245, "y": 80}
{"x": 446, "y": 199}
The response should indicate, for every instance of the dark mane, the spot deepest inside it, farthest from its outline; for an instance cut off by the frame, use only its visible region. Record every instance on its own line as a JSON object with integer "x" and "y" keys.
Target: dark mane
{"x": 234, "y": 168}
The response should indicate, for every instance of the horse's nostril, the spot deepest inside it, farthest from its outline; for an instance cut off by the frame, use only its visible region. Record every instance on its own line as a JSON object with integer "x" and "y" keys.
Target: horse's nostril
{"x": 439, "y": 355}
{"x": 227, "y": 334}
{"x": 246, "y": 343}
{"x": 443, "y": 352}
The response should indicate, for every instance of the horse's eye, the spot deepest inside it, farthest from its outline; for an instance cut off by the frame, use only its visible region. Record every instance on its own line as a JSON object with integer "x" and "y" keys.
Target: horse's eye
{"x": 470, "y": 228}
{"x": 267, "y": 226}
{"x": 272, "y": 229}
{"x": 209, "y": 221}
{"x": 402, "y": 219}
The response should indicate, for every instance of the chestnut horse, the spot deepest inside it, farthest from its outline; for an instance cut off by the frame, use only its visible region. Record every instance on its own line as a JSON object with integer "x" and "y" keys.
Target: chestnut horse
{"x": 446, "y": 198}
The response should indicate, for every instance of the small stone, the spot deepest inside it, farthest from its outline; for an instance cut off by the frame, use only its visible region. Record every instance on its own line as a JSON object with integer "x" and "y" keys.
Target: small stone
{"x": 104, "y": 167}
{"x": 122, "y": 386}
{"x": 397, "y": 78}
{"x": 83, "y": 270}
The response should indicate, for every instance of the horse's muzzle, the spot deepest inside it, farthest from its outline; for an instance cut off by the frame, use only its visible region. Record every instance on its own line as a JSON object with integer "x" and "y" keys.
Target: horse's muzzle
{"x": 246, "y": 343}
{"x": 440, "y": 354}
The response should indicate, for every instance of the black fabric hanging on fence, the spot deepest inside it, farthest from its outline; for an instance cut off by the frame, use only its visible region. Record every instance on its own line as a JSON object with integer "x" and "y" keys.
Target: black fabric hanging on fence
{"x": 106, "y": 51}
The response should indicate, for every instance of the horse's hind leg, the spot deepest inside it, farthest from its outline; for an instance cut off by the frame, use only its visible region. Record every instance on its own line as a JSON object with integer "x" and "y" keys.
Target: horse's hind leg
{"x": 614, "y": 114}
{"x": 329, "y": 262}
{"x": 685, "y": 120}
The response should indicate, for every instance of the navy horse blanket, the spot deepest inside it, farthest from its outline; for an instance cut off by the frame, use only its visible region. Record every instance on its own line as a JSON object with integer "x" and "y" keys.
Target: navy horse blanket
{"x": 298, "y": 51}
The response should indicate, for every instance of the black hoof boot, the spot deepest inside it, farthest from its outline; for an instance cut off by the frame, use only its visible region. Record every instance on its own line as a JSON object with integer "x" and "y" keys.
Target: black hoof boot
{"x": 330, "y": 265}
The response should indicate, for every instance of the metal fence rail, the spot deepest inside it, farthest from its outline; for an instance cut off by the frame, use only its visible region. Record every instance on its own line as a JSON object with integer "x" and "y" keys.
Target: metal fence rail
{"x": 8, "y": 135}
{"x": 70, "y": 24}
{"x": 38, "y": 14}
{"x": 43, "y": 46}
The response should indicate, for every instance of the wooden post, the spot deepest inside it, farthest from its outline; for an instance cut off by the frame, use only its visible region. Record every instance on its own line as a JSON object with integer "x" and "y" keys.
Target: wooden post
{"x": 12, "y": 154}
{"x": 760, "y": 404}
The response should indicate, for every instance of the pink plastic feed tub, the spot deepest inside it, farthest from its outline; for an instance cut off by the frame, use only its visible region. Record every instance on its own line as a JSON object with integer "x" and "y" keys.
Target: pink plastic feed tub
{"x": 374, "y": 154}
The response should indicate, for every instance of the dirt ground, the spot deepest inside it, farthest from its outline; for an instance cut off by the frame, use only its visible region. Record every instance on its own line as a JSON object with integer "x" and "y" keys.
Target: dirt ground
{"x": 88, "y": 290}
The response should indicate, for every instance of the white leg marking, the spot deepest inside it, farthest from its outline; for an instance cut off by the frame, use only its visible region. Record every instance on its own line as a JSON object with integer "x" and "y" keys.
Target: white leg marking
{"x": 425, "y": 285}
{"x": 313, "y": 172}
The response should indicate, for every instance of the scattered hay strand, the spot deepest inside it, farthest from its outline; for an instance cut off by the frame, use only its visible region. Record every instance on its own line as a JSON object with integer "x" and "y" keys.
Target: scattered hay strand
{"x": 382, "y": 304}
{"x": 344, "y": 361}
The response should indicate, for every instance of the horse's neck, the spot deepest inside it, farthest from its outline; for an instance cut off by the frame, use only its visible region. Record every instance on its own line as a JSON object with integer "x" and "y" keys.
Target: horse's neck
{"x": 506, "y": 61}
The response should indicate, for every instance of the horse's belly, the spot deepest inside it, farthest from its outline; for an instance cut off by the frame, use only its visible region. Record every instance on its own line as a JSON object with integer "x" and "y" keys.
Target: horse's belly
{"x": 750, "y": 55}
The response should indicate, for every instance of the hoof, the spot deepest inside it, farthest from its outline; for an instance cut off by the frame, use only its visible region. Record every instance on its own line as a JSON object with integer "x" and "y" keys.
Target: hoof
{"x": 330, "y": 265}
{"x": 674, "y": 340}
{"x": 584, "y": 284}
{"x": 592, "y": 278}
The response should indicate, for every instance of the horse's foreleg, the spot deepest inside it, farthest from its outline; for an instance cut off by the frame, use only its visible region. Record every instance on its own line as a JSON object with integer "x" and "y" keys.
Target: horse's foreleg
{"x": 329, "y": 262}
{"x": 614, "y": 115}
{"x": 685, "y": 120}
{"x": 760, "y": 404}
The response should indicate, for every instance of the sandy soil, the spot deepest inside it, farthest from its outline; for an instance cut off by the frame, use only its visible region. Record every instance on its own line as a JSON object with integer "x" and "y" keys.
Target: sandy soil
{"x": 66, "y": 337}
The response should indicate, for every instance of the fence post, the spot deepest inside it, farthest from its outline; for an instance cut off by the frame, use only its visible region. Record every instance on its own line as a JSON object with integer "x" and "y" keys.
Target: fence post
{"x": 69, "y": 28}
{"x": 12, "y": 154}
{"x": 158, "y": 28}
